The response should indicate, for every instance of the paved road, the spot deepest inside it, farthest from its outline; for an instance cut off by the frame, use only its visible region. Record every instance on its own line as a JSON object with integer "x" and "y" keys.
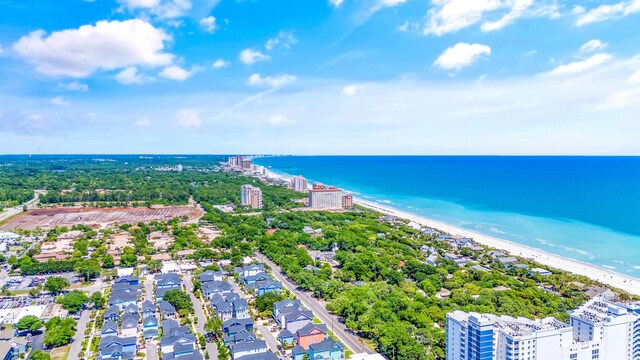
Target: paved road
{"x": 152, "y": 351}
{"x": 202, "y": 319}
{"x": 81, "y": 326}
{"x": 339, "y": 330}
{"x": 270, "y": 339}
{"x": 148, "y": 288}
{"x": 8, "y": 213}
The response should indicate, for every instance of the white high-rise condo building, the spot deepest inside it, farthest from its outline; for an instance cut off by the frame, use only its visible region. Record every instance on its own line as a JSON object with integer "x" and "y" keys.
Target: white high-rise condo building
{"x": 299, "y": 184}
{"x": 321, "y": 197}
{"x": 598, "y": 330}
{"x": 251, "y": 196}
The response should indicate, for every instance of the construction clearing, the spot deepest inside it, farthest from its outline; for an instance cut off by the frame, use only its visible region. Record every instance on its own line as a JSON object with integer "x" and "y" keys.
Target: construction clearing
{"x": 98, "y": 217}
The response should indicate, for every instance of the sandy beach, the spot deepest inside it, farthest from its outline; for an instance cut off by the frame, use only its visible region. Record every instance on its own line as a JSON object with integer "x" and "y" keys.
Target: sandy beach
{"x": 611, "y": 278}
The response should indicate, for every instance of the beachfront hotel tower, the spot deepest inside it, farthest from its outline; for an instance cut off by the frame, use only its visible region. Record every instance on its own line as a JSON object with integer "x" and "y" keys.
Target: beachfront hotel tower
{"x": 598, "y": 330}
{"x": 251, "y": 196}
{"x": 299, "y": 184}
{"x": 347, "y": 201}
{"x": 325, "y": 197}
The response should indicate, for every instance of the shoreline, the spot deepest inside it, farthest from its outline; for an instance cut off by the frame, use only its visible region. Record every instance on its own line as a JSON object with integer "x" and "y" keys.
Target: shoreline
{"x": 594, "y": 272}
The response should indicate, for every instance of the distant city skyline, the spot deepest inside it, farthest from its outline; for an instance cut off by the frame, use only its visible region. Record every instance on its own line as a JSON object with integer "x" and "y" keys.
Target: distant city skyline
{"x": 498, "y": 77}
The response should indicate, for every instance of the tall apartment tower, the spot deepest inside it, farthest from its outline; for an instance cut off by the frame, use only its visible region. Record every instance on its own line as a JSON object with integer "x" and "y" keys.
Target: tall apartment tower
{"x": 321, "y": 197}
{"x": 347, "y": 201}
{"x": 251, "y": 196}
{"x": 299, "y": 184}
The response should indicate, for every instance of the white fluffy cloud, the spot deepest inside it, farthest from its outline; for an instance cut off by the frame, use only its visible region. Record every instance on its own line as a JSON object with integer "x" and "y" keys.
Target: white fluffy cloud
{"x": 373, "y": 6}
{"x": 220, "y": 63}
{"x": 447, "y": 16}
{"x": 634, "y": 78}
{"x": 250, "y": 56}
{"x": 271, "y": 81}
{"x": 593, "y": 45}
{"x": 606, "y": 12}
{"x": 175, "y": 72}
{"x": 208, "y": 24}
{"x": 139, "y": 4}
{"x": 461, "y": 55}
{"x": 188, "y": 118}
{"x": 336, "y": 3}
{"x": 352, "y": 90}
{"x": 283, "y": 39}
{"x": 161, "y": 9}
{"x": 582, "y": 65}
{"x": 59, "y": 101}
{"x": 130, "y": 76}
{"x": 107, "y": 45}
{"x": 74, "y": 86}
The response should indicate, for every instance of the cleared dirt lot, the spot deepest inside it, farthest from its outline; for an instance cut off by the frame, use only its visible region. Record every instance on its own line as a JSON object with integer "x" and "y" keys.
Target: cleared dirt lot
{"x": 50, "y": 218}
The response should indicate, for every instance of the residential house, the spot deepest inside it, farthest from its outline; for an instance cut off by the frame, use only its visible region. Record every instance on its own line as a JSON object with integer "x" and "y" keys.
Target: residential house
{"x": 209, "y": 276}
{"x": 246, "y": 323}
{"x": 296, "y": 320}
{"x": 148, "y": 309}
{"x": 211, "y": 288}
{"x": 150, "y": 327}
{"x": 168, "y": 281}
{"x": 311, "y": 334}
{"x": 287, "y": 337}
{"x": 248, "y": 348}
{"x": 262, "y": 287}
{"x": 248, "y": 280}
{"x": 169, "y": 343}
{"x": 541, "y": 271}
{"x": 260, "y": 356}
{"x": 283, "y": 307}
{"x": 240, "y": 309}
{"x": 129, "y": 325}
{"x": 251, "y": 270}
{"x": 507, "y": 261}
{"x": 109, "y": 327}
{"x": 112, "y": 313}
{"x": 131, "y": 280}
{"x": 328, "y": 349}
{"x": 166, "y": 309}
{"x": 122, "y": 299}
{"x": 117, "y": 347}
{"x": 223, "y": 309}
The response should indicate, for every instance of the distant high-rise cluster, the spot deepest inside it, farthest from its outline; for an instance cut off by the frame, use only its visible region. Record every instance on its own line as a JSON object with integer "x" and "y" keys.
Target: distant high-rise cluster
{"x": 600, "y": 329}
{"x": 299, "y": 184}
{"x": 241, "y": 163}
{"x": 251, "y": 196}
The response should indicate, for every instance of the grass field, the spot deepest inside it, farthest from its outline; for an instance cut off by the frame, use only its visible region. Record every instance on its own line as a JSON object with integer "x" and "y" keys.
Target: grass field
{"x": 60, "y": 353}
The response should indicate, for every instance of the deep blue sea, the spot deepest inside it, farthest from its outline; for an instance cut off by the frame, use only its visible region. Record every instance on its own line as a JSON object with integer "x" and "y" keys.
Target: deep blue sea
{"x": 584, "y": 208}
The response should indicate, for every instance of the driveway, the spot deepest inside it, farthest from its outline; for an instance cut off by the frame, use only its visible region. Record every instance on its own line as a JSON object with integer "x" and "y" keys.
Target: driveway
{"x": 152, "y": 351}
{"x": 339, "y": 330}
{"x": 202, "y": 319}
{"x": 270, "y": 339}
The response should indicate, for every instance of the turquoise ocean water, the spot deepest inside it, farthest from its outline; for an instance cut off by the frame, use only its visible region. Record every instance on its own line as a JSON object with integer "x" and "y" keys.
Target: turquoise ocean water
{"x": 584, "y": 208}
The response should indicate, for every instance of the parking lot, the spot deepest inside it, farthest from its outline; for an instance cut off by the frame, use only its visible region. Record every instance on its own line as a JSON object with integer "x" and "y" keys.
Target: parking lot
{"x": 29, "y": 282}
{"x": 18, "y": 302}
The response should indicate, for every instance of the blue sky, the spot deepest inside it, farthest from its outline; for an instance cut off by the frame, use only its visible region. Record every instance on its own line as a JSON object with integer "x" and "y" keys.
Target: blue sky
{"x": 320, "y": 76}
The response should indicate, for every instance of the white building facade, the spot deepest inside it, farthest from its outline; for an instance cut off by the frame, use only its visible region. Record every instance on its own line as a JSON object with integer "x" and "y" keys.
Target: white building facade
{"x": 325, "y": 198}
{"x": 299, "y": 184}
{"x": 599, "y": 330}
